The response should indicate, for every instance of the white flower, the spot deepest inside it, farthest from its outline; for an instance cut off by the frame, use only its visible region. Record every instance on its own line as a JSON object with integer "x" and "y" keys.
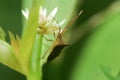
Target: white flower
{"x": 47, "y": 24}
{"x": 25, "y": 13}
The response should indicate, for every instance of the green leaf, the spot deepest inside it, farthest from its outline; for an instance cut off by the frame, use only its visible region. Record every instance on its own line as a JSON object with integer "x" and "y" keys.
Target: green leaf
{"x": 107, "y": 72}
{"x": 2, "y": 34}
{"x": 26, "y": 4}
{"x": 100, "y": 48}
{"x": 15, "y": 43}
{"x": 8, "y": 58}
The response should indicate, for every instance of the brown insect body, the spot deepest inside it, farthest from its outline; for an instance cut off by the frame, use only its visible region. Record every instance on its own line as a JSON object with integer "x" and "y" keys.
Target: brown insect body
{"x": 56, "y": 51}
{"x": 59, "y": 43}
{"x": 57, "y": 48}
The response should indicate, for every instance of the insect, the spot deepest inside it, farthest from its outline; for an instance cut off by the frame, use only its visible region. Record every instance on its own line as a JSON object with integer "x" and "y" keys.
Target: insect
{"x": 60, "y": 45}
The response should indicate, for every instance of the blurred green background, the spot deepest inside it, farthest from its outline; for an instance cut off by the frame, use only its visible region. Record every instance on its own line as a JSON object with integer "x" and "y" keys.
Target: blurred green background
{"x": 10, "y": 19}
{"x": 98, "y": 47}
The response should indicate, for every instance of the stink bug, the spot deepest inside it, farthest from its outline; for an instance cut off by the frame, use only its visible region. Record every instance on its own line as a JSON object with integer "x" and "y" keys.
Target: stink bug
{"x": 59, "y": 44}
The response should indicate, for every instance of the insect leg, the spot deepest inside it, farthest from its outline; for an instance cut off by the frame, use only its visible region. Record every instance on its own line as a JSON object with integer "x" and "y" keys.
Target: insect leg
{"x": 47, "y": 39}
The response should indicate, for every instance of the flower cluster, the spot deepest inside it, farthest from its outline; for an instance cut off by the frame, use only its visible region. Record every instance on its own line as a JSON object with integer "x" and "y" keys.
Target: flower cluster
{"x": 47, "y": 24}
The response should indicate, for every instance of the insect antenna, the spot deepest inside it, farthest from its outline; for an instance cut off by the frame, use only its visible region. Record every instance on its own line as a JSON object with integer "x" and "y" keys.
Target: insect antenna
{"x": 71, "y": 22}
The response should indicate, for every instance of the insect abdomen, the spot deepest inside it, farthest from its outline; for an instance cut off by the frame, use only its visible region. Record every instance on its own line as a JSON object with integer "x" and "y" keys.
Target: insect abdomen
{"x": 55, "y": 52}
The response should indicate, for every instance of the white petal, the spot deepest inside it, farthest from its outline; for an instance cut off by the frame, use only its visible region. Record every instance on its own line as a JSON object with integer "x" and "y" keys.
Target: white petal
{"x": 40, "y": 10}
{"x": 25, "y": 13}
{"x": 44, "y": 12}
{"x": 54, "y": 23}
{"x": 52, "y": 14}
{"x": 40, "y": 15}
{"x": 62, "y": 22}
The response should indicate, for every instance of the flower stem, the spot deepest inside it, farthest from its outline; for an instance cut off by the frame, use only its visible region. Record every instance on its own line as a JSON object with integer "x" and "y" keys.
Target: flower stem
{"x": 35, "y": 64}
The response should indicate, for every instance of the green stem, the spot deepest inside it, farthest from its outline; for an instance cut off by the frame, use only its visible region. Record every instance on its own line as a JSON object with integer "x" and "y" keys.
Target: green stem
{"x": 29, "y": 34}
{"x": 33, "y": 77}
{"x": 35, "y": 64}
